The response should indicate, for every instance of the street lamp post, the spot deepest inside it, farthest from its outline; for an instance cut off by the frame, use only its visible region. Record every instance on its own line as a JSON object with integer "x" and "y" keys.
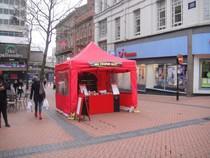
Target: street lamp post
{"x": 179, "y": 61}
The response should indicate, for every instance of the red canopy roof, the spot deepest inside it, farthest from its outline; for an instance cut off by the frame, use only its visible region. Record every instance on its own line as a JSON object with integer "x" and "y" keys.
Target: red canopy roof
{"x": 92, "y": 53}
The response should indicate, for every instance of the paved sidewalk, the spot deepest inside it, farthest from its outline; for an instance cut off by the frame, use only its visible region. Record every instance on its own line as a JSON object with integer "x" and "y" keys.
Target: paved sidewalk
{"x": 163, "y": 128}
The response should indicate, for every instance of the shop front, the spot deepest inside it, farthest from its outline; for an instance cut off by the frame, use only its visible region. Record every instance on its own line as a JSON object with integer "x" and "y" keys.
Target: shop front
{"x": 13, "y": 61}
{"x": 156, "y": 66}
{"x": 201, "y": 51}
{"x": 156, "y": 60}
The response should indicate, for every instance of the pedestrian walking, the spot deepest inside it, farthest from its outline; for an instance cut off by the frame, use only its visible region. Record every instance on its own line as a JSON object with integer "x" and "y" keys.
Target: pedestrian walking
{"x": 20, "y": 88}
{"x": 15, "y": 85}
{"x": 3, "y": 102}
{"x": 45, "y": 82}
{"x": 38, "y": 94}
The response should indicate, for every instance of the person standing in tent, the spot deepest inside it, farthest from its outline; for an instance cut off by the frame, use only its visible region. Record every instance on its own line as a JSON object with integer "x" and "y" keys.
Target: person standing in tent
{"x": 38, "y": 94}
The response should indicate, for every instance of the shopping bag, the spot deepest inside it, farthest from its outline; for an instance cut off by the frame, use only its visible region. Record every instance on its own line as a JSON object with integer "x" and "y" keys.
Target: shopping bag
{"x": 29, "y": 106}
{"x": 45, "y": 104}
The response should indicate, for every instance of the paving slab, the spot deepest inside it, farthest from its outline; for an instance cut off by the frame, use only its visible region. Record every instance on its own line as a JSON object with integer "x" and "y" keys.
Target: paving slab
{"x": 163, "y": 128}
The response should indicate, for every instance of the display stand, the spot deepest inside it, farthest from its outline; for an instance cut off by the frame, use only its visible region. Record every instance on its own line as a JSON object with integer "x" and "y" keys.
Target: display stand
{"x": 83, "y": 89}
{"x": 116, "y": 96}
{"x": 82, "y": 108}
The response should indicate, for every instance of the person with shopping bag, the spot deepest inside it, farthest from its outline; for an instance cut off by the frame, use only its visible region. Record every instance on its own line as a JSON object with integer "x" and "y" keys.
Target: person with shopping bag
{"x": 38, "y": 95}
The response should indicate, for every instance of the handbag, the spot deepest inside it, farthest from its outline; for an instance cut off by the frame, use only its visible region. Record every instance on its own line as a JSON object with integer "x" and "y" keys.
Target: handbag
{"x": 29, "y": 106}
{"x": 46, "y": 104}
{"x": 41, "y": 89}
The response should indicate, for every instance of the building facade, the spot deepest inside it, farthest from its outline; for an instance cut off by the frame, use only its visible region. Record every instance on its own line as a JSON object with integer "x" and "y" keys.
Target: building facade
{"x": 13, "y": 39}
{"x": 35, "y": 64}
{"x": 74, "y": 32}
{"x": 154, "y": 32}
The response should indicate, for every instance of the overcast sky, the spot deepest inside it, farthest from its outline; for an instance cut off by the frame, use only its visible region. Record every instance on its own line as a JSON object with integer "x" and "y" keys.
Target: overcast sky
{"x": 37, "y": 40}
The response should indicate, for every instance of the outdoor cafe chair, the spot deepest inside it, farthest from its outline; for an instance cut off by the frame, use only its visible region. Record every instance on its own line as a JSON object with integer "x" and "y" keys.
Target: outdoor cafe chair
{"x": 12, "y": 103}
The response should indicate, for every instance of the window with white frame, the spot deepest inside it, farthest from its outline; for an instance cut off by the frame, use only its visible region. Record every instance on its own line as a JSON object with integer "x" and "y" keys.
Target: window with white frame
{"x": 105, "y": 4}
{"x": 102, "y": 28}
{"x": 177, "y": 12}
{"x": 161, "y": 9}
{"x": 137, "y": 22}
{"x": 117, "y": 28}
{"x": 100, "y": 5}
{"x": 103, "y": 45}
{"x": 206, "y": 9}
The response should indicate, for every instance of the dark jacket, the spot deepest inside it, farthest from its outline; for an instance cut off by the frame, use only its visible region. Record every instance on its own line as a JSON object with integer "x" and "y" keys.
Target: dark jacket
{"x": 20, "y": 87}
{"x": 3, "y": 96}
{"x": 35, "y": 93}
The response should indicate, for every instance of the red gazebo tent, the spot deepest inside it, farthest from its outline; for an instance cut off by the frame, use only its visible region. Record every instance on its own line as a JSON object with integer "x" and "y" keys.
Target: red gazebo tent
{"x": 67, "y": 74}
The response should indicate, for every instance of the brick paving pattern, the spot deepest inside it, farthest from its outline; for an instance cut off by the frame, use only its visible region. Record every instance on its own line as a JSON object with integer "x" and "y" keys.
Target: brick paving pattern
{"x": 186, "y": 142}
{"x": 163, "y": 128}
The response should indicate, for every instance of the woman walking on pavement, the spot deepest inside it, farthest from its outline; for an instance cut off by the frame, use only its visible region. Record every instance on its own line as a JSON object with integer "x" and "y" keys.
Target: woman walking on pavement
{"x": 3, "y": 102}
{"x": 38, "y": 94}
{"x": 20, "y": 88}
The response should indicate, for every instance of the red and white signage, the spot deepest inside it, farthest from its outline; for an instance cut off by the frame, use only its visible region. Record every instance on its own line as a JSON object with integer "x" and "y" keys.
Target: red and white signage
{"x": 123, "y": 53}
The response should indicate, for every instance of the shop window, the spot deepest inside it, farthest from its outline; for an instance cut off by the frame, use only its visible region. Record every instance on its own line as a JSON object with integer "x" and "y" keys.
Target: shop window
{"x": 159, "y": 76}
{"x": 88, "y": 79}
{"x": 141, "y": 77}
{"x": 62, "y": 86}
{"x": 171, "y": 77}
{"x": 166, "y": 77}
{"x": 205, "y": 74}
{"x": 123, "y": 81}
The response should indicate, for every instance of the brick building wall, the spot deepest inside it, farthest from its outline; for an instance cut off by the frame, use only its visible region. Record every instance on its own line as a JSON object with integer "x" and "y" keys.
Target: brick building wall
{"x": 75, "y": 31}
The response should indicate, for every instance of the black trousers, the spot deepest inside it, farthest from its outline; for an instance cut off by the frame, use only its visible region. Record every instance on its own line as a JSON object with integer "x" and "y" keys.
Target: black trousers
{"x": 38, "y": 106}
{"x": 3, "y": 110}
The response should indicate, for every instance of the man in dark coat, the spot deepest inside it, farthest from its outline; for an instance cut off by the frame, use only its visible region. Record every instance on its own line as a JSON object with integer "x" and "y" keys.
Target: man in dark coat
{"x": 3, "y": 102}
{"x": 38, "y": 94}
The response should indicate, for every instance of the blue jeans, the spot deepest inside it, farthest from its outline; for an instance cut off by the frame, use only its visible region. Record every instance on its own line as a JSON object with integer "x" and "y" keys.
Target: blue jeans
{"x": 38, "y": 104}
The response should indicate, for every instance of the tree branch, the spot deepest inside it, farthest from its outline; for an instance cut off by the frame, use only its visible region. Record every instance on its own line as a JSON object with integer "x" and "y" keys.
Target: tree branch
{"x": 39, "y": 9}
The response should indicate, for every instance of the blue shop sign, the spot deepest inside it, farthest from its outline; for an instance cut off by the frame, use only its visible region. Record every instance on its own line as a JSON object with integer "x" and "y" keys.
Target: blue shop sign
{"x": 161, "y": 48}
{"x": 201, "y": 43}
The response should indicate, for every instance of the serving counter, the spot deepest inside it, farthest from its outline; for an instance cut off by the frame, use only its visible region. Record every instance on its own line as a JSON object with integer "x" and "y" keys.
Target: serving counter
{"x": 103, "y": 103}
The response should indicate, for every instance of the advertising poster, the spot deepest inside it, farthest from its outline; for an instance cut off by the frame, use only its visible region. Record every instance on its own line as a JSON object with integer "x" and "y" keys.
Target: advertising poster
{"x": 159, "y": 76}
{"x": 171, "y": 75}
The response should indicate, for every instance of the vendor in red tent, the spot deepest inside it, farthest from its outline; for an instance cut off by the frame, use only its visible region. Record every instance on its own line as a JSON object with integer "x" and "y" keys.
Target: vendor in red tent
{"x": 38, "y": 94}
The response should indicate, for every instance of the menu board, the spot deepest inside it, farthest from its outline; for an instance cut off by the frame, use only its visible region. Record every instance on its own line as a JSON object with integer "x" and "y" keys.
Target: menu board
{"x": 115, "y": 89}
{"x": 83, "y": 89}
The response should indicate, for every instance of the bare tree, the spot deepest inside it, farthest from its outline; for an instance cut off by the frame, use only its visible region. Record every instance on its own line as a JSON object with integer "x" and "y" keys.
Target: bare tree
{"x": 30, "y": 25}
{"x": 47, "y": 13}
